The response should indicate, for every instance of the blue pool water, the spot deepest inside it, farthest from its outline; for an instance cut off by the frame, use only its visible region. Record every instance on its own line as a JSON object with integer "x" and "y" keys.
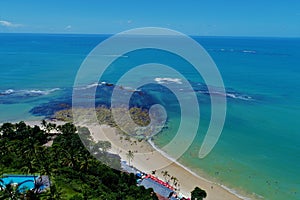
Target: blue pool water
{"x": 29, "y": 184}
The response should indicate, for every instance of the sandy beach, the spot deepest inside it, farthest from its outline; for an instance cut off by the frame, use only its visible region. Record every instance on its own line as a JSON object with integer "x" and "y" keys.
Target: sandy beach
{"x": 148, "y": 158}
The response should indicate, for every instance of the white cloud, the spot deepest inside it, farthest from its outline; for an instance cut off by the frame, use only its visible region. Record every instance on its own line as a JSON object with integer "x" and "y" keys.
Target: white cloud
{"x": 9, "y": 24}
{"x": 68, "y": 27}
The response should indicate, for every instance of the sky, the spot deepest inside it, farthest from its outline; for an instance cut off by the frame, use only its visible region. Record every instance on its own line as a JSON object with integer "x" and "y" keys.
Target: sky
{"x": 276, "y": 18}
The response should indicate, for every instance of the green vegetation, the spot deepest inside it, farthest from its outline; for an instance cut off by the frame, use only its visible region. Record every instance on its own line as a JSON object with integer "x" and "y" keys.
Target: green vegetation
{"x": 198, "y": 194}
{"x": 166, "y": 175}
{"x": 74, "y": 173}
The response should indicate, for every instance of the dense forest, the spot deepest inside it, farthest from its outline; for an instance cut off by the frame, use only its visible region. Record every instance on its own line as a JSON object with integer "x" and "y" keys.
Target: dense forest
{"x": 59, "y": 153}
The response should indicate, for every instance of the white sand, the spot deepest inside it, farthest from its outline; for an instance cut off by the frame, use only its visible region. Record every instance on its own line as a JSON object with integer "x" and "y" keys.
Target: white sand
{"x": 148, "y": 158}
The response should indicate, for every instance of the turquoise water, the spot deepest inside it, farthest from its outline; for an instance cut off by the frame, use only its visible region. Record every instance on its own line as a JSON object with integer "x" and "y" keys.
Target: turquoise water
{"x": 20, "y": 179}
{"x": 258, "y": 151}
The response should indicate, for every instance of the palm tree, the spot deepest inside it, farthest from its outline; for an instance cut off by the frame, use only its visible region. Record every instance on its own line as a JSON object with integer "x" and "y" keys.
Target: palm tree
{"x": 48, "y": 127}
{"x": 11, "y": 191}
{"x": 165, "y": 175}
{"x": 175, "y": 181}
{"x": 54, "y": 193}
{"x": 130, "y": 156}
{"x": 1, "y": 188}
{"x": 29, "y": 150}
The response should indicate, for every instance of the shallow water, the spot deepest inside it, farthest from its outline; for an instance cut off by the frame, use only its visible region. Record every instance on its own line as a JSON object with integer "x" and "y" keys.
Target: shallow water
{"x": 258, "y": 150}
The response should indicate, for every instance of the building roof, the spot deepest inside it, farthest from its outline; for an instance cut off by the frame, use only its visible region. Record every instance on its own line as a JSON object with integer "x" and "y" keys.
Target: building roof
{"x": 158, "y": 188}
{"x": 41, "y": 183}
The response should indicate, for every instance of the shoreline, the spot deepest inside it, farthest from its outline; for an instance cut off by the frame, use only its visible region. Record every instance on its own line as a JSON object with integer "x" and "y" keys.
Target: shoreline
{"x": 195, "y": 174}
{"x": 150, "y": 158}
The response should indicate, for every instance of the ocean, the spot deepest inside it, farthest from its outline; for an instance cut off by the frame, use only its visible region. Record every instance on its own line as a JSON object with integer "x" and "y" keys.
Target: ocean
{"x": 258, "y": 153}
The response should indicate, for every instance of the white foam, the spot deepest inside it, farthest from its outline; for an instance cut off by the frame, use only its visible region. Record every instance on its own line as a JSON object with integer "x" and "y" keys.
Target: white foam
{"x": 230, "y": 95}
{"x": 6, "y": 92}
{"x": 249, "y": 51}
{"x": 242, "y": 97}
{"x": 28, "y": 92}
{"x": 168, "y": 80}
{"x": 40, "y": 92}
{"x": 213, "y": 93}
{"x": 130, "y": 89}
{"x": 92, "y": 85}
{"x": 232, "y": 191}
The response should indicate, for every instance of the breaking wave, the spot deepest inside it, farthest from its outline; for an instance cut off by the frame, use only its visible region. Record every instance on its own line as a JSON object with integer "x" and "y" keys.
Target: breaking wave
{"x": 168, "y": 80}
{"x": 202, "y": 89}
{"x": 232, "y": 95}
{"x": 32, "y": 92}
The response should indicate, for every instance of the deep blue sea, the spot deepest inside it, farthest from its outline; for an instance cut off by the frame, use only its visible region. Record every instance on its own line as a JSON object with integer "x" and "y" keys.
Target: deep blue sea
{"x": 259, "y": 149}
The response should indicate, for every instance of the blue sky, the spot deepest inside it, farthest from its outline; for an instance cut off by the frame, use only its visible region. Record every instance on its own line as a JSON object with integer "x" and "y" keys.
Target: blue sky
{"x": 197, "y": 17}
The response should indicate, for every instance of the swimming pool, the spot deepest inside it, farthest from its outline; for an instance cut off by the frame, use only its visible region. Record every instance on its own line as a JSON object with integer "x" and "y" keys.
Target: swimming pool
{"x": 29, "y": 184}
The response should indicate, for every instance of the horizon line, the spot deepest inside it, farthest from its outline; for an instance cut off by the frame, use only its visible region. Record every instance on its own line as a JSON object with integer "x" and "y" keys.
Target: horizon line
{"x": 110, "y": 34}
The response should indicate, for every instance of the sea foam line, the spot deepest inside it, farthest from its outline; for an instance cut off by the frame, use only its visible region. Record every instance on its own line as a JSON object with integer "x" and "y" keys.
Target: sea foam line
{"x": 29, "y": 92}
{"x": 168, "y": 80}
{"x": 232, "y": 191}
{"x": 41, "y": 92}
